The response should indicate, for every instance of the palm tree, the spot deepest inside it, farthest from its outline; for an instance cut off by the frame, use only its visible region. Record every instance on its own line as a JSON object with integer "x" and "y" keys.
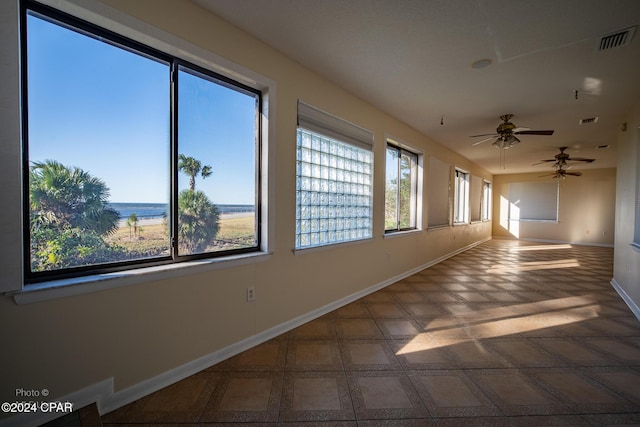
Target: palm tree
{"x": 193, "y": 167}
{"x": 68, "y": 197}
{"x": 132, "y": 222}
{"x": 197, "y": 215}
{"x": 70, "y": 216}
{"x": 197, "y": 221}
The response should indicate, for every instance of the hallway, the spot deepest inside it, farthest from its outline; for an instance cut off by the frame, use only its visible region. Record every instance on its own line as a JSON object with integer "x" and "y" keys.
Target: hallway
{"x": 507, "y": 333}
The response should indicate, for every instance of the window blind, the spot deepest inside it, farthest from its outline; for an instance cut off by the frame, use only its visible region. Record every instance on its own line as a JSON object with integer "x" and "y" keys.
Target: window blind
{"x": 438, "y": 196}
{"x": 475, "y": 198}
{"x": 533, "y": 201}
{"x": 316, "y": 120}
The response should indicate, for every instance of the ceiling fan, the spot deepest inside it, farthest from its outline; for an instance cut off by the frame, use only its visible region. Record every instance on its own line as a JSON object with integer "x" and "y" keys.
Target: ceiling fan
{"x": 506, "y": 133}
{"x": 562, "y": 159}
{"x": 561, "y": 173}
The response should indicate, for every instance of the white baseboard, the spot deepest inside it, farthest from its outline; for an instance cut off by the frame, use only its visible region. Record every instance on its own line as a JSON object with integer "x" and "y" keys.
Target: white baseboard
{"x": 626, "y": 298}
{"x": 556, "y": 242}
{"x": 102, "y": 393}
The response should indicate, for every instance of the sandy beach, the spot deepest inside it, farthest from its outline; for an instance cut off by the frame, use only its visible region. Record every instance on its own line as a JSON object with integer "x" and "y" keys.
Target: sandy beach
{"x": 155, "y": 221}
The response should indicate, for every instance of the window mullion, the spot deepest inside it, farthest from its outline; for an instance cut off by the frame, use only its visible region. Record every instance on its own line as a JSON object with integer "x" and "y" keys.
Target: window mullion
{"x": 398, "y": 182}
{"x": 173, "y": 212}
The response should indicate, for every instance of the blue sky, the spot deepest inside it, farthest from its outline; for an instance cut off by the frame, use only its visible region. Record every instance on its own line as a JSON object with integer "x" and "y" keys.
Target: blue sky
{"x": 106, "y": 110}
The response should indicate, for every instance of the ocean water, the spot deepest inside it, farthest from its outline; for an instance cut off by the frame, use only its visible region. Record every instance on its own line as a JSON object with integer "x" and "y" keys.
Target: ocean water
{"x": 158, "y": 210}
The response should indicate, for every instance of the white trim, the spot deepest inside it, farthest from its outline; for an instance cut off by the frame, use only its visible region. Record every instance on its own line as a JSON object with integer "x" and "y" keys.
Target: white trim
{"x": 438, "y": 227}
{"x": 392, "y": 234}
{"x": 310, "y": 249}
{"x": 626, "y": 298}
{"x": 102, "y": 393}
{"x": 83, "y": 285}
{"x": 560, "y": 242}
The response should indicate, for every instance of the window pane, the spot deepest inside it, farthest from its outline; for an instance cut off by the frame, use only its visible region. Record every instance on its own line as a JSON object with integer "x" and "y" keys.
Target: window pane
{"x": 217, "y": 153}
{"x": 335, "y": 206}
{"x": 407, "y": 191}
{"x": 98, "y": 150}
{"x": 391, "y": 192}
{"x": 461, "y": 199}
{"x": 486, "y": 202}
{"x": 401, "y": 189}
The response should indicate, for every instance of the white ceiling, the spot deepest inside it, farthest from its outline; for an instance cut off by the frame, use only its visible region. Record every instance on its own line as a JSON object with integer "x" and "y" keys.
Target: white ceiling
{"x": 412, "y": 59}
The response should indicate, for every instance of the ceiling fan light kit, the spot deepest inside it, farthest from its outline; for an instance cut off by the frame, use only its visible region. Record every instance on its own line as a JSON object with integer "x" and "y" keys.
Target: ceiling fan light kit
{"x": 506, "y": 131}
{"x": 561, "y": 163}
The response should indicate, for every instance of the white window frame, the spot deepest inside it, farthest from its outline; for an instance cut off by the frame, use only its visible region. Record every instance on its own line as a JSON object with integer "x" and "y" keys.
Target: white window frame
{"x": 461, "y": 197}
{"x": 416, "y": 187}
{"x": 487, "y": 197}
{"x": 11, "y": 230}
{"x": 334, "y": 180}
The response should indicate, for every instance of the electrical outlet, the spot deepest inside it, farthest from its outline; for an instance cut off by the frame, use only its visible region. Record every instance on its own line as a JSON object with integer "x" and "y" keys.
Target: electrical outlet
{"x": 251, "y": 294}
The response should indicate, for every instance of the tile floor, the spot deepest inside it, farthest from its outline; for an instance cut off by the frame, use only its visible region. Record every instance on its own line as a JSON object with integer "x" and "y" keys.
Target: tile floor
{"x": 506, "y": 334}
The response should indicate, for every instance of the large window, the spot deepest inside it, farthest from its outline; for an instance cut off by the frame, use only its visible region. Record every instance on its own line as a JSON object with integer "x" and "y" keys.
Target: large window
{"x": 401, "y": 189}
{"x": 132, "y": 157}
{"x": 334, "y": 179}
{"x": 461, "y": 197}
{"x": 486, "y": 201}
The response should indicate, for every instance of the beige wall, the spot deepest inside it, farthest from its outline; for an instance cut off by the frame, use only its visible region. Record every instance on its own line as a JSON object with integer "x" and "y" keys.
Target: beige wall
{"x": 586, "y": 208}
{"x": 626, "y": 271}
{"x": 135, "y": 333}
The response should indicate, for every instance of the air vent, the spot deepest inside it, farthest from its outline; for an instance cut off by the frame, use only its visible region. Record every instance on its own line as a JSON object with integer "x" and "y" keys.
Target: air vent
{"x": 588, "y": 121}
{"x": 617, "y": 39}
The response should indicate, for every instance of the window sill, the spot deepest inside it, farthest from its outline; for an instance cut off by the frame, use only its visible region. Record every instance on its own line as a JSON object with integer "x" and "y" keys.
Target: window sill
{"x": 401, "y": 233}
{"x": 311, "y": 249}
{"x": 84, "y": 285}
{"x": 636, "y": 247}
{"x": 457, "y": 224}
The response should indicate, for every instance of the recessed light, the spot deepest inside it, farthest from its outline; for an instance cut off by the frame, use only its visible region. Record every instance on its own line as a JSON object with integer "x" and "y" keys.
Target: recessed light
{"x": 481, "y": 63}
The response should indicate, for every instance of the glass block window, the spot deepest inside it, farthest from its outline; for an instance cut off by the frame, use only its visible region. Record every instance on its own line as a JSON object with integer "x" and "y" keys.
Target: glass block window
{"x": 334, "y": 191}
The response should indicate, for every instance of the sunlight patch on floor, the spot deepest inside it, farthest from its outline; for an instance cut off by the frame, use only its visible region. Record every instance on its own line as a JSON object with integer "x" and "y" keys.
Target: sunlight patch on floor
{"x": 534, "y": 265}
{"x": 503, "y": 321}
{"x": 539, "y": 247}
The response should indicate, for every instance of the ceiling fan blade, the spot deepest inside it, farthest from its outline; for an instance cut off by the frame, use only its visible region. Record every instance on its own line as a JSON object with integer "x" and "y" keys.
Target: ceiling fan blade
{"x": 554, "y": 174}
{"x": 535, "y": 132}
{"x": 573, "y": 173}
{"x": 543, "y": 161}
{"x": 519, "y": 129}
{"x": 581, "y": 159}
{"x": 485, "y": 134}
{"x": 484, "y": 140}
